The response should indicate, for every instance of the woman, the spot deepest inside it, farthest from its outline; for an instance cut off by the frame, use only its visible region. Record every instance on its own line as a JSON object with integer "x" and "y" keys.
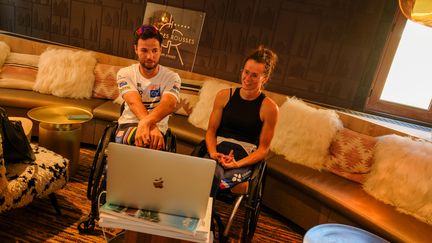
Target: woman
{"x": 242, "y": 122}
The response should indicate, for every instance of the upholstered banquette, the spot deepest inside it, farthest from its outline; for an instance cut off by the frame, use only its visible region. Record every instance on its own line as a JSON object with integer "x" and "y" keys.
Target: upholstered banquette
{"x": 325, "y": 165}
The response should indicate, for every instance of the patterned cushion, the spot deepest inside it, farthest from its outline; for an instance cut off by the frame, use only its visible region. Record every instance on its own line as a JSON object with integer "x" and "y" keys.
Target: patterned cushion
{"x": 105, "y": 85}
{"x": 351, "y": 155}
{"x": 189, "y": 96}
{"x": 26, "y": 181}
{"x": 19, "y": 71}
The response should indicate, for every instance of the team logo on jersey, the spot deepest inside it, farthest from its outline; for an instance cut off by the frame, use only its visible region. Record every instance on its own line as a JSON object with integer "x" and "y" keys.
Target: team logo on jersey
{"x": 122, "y": 83}
{"x": 154, "y": 93}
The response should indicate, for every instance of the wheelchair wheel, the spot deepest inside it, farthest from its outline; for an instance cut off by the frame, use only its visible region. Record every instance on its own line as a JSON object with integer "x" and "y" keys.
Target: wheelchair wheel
{"x": 253, "y": 206}
{"x": 97, "y": 182}
{"x": 170, "y": 143}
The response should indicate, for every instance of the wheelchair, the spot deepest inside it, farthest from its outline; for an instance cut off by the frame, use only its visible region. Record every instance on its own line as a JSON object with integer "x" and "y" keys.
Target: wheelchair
{"x": 250, "y": 192}
{"x": 97, "y": 178}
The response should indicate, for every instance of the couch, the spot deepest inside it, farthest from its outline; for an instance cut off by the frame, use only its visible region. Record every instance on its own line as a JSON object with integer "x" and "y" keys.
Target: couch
{"x": 303, "y": 188}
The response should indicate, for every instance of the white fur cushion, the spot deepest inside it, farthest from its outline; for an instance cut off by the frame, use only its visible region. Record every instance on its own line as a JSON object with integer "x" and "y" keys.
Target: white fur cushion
{"x": 66, "y": 73}
{"x": 4, "y": 52}
{"x": 303, "y": 133}
{"x": 401, "y": 175}
{"x": 201, "y": 113}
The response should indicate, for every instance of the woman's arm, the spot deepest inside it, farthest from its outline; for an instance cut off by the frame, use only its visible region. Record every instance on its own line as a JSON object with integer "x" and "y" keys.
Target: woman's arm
{"x": 221, "y": 100}
{"x": 269, "y": 115}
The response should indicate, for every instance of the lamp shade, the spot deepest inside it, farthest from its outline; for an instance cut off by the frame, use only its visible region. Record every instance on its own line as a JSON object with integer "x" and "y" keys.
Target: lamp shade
{"x": 419, "y": 11}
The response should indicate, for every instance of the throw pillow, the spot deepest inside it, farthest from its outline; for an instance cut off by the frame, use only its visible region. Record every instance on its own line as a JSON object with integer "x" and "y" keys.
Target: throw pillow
{"x": 351, "y": 155}
{"x": 401, "y": 175}
{"x": 203, "y": 108}
{"x": 303, "y": 133}
{"x": 66, "y": 73}
{"x": 4, "y": 52}
{"x": 19, "y": 71}
{"x": 189, "y": 96}
{"x": 105, "y": 85}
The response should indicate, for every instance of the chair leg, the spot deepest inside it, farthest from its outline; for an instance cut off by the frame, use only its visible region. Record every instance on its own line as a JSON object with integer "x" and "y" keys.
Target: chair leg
{"x": 54, "y": 202}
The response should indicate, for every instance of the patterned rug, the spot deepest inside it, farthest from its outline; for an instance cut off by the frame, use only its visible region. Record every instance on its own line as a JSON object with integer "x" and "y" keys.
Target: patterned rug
{"x": 38, "y": 222}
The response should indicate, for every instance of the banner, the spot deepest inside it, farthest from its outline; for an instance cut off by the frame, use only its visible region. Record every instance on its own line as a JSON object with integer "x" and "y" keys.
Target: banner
{"x": 181, "y": 30}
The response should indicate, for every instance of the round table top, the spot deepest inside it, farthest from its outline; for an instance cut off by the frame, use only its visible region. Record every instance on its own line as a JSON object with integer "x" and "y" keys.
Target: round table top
{"x": 57, "y": 114}
{"x": 340, "y": 233}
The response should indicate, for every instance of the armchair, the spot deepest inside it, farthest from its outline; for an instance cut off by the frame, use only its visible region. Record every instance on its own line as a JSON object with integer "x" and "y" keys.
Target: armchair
{"x": 20, "y": 183}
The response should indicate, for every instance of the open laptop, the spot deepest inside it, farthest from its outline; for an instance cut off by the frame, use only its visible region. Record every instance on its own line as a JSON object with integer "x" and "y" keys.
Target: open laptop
{"x": 159, "y": 181}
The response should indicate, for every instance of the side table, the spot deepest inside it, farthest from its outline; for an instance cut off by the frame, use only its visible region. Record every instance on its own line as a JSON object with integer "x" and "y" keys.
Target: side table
{"x": 60, "y": 130}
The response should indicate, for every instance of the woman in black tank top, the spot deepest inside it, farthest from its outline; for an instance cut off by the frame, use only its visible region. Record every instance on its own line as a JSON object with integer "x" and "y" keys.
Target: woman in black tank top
{"x": 242, "y": 122}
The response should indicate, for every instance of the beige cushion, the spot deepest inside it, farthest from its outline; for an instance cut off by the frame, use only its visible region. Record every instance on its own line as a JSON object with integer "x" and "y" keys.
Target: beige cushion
{"x": 4, "y": 52}
{"x": 19, "y": 71}
{"x": 351, "y": 155}
{"x": 105, "y": 85}
{"x": 189, "y": 96}
{"x": 29, "y": 99}
{"x": 66, "y": 73}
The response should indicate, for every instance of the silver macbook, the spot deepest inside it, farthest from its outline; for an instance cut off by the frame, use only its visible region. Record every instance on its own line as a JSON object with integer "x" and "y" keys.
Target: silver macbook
{"x": 157, "y": 180}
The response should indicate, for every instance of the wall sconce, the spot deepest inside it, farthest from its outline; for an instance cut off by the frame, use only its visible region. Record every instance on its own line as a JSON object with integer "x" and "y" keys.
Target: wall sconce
{"x": 419, "y": 11}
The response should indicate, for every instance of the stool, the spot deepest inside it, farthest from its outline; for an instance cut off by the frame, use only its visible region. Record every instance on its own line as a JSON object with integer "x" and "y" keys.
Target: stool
{"x": 26, "y": 123}
{"x": 340, "y": 233}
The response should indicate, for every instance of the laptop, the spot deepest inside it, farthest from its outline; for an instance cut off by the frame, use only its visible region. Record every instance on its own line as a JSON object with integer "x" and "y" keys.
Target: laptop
{"x": 158, "y": 180}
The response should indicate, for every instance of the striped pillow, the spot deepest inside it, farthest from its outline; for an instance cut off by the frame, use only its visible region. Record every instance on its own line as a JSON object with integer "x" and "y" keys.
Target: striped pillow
{"x": 19, "y": 71}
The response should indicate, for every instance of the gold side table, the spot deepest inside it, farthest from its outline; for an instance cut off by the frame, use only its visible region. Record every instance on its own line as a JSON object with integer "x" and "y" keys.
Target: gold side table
{"x": 60, "y": 130}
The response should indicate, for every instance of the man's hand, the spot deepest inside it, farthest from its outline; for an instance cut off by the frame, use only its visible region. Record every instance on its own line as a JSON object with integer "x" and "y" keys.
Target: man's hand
{"x": 149, "y": 136}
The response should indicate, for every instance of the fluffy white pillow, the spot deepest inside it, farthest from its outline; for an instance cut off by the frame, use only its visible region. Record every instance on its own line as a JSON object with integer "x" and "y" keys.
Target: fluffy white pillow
{"x": 66, "y": 73}
{"x": 401, "y": 175}
{"x": 4, "y": 52}
{"x": 303, "y": 133}
{"x": 201, "y": 113}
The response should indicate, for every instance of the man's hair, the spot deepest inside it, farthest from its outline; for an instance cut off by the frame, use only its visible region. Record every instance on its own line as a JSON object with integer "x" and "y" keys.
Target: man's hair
{"x": 265, "y": 56}
{"x": 145, "y": 32}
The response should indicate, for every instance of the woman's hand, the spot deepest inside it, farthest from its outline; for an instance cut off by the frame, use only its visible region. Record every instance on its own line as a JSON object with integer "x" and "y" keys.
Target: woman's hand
{"x": 228, "y": 161}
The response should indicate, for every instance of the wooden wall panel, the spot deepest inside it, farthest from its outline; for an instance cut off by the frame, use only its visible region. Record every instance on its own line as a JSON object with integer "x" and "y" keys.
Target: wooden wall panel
{"x": 328, "y": 49}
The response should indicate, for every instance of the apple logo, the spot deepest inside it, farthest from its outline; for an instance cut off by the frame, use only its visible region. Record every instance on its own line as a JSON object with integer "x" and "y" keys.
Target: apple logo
{"x": 158, "y": 183}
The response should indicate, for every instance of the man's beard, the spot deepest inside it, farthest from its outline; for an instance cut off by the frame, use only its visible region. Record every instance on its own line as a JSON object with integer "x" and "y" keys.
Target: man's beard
{"x": 149, "y": 67}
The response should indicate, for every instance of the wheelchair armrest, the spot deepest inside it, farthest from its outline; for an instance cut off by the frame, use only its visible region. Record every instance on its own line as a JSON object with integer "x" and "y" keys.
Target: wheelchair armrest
{"x": 200, "y": 150}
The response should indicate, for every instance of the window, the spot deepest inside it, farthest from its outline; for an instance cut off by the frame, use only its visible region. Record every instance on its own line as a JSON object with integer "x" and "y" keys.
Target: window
{"x": 403, "y": 83}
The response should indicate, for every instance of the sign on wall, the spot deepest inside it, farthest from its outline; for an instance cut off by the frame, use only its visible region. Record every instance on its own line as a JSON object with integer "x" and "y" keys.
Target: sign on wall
{"x": 181, "y": 29}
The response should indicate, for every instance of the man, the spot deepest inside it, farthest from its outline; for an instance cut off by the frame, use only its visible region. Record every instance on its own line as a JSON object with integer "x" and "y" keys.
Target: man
{"x": 150, "y": 91}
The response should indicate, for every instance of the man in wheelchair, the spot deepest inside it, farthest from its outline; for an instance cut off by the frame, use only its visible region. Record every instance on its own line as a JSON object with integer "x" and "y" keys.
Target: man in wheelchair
{"x": 150, "y": 91}
{"x": 242, "y": 122}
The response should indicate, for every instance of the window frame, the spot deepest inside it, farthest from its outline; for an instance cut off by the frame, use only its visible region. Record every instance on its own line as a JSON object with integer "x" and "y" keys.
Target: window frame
{"x": 373, "y": 103}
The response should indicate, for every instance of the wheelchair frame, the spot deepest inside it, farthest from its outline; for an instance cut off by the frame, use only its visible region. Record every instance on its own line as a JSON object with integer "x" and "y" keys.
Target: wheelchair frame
{"x": 252, "y": 202}
{"x": 97, "y": 177}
